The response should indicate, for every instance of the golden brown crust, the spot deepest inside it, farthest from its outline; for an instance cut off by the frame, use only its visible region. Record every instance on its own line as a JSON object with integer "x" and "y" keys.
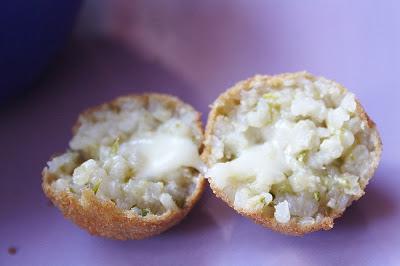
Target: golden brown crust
{"x": 103, "y": 218}
{"x": 227, "y": 101}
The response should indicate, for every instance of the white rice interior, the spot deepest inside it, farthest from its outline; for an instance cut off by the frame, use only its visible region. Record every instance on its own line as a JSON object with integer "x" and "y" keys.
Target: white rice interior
{"x": 291, "y": 149}
{"x": 103, "y": 156}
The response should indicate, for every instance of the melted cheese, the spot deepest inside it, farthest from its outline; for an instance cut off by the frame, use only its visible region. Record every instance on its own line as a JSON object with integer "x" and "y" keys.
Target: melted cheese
{"x": 160, "y": 154}
{"x": 264, "y": 162}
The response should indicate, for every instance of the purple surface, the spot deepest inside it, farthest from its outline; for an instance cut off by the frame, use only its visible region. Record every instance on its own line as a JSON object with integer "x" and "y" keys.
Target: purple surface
{"x": 196, "y": 51}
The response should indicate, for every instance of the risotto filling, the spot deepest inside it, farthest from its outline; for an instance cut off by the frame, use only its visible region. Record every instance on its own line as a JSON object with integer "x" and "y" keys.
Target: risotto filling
{"x": 292, "y": 149}
{"x": 144, "y": 158}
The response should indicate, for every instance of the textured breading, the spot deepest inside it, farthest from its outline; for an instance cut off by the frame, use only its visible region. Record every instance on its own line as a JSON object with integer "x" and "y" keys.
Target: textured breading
{"x": 103, "y": 217}
{"x": 230, "y": 99}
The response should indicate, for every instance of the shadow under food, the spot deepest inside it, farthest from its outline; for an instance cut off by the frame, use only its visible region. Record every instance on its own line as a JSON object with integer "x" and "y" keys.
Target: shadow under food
{"x": 375, "y": 204}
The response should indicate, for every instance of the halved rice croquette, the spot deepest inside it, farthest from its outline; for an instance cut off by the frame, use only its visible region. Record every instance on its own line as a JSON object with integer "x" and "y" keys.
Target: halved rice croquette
{"x": 290, "y": 151}
{"x": 132, "y": 169}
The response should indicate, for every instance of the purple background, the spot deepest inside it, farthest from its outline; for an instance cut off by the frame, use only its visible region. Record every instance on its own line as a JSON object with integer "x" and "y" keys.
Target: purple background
{"x": 196, "y": 49}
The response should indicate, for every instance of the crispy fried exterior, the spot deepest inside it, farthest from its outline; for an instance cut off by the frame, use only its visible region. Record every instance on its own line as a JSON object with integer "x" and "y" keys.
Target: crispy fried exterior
{"x": 104, "y": 218}
{"x": 229, "y": 100}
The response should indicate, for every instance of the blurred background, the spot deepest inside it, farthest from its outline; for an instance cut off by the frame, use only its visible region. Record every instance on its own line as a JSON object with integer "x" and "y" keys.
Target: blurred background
{"x": 59, "y": 57}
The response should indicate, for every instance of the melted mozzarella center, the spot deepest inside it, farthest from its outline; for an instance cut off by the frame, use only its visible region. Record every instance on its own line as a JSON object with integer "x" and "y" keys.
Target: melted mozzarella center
{"x": 160, "y": 154}
{"x": 264, "y": 162}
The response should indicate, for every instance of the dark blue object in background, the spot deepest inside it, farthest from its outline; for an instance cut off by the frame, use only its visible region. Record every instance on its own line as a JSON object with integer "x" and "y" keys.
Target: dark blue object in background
{"x": 31, "y": 34}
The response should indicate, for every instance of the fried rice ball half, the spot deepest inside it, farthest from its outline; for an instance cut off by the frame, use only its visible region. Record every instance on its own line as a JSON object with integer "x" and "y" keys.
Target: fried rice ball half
{"x": 132, "y": 169}
{"x": 290, "y": 151}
